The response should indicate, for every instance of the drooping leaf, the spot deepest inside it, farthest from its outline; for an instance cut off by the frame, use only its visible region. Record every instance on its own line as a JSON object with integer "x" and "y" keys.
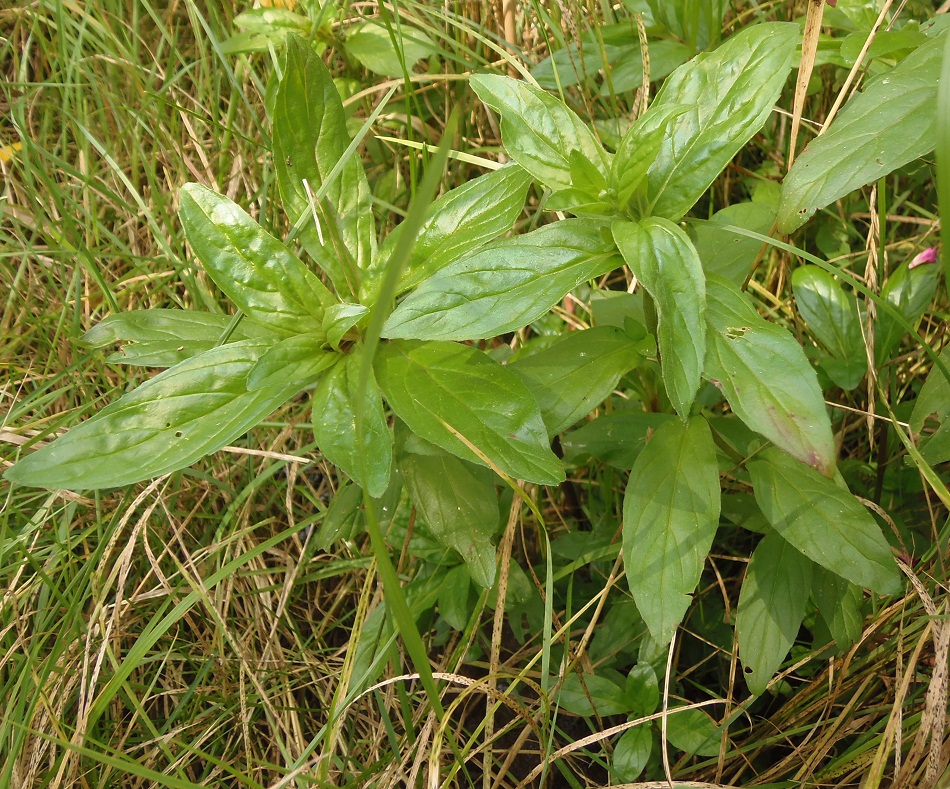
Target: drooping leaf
{"x": 576, "y": 373}
{"x": 765, "y": 376}
{"x": 539, "y": 132}
{"x": 463, "y": 401}
{"x": 163, "y": 338}
{"x": 367, "y": 462}
{"x": 592, "y": 694}
{"x": 310, "y": 138}
{"x": 725, "y": 252}
{"x": 166, "y": 424}
{"x": 670, "y": 514}
{"x": 505, "y": 285}
{"x": 372, "y": 45}
{"x": 889, "y": 124}
{"x": 263, "y": 278}
{"x": 729, "y": 94}
{"x": 459, "y": 222}
{"x": 458, "y": 502}
{"x": 823, "y": 521}
{"x": 301, "y": 359}
{"x": 771, "y": 608}
{"x": 666, "y": 263}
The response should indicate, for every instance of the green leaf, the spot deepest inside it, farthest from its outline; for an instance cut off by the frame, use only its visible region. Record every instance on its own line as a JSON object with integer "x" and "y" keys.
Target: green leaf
{"x": 163, "y": 338}
{"x": 166, "y": 424}
{"x": 910, "y": 289}
{"x": 627, "y": 75}
{"x": 454, "y": 597}
{"x": 301, "y": 358}
{"x": 840, "y": 604}
{"x": 310, "y": 138}
{"x": 670, "y": 514}
{"x": 729, "y": 94}
{"x": 771, "y": 608}
{"x": 459, "y": 222}
{"x": 343, "y": 516}
{"x": 461, "y": 400}
{"x": 372, "y": 45}
{"x": 590, "y": 694}
{"x": 765, "y": 376}
{"x": 460, "y": 506}
{"x": 693, "y": 732}
{"x": 889, "y": 124}
{"x": 725, "y": 252}
{"x": 616, "y": 439}
{"x": 538, "y": 131}
{"x": 639, "y": 148}
{"x": 666, "y": 263}
{"x": 933, "y": 404}
{"x": 823, "y": 521}
{"x": 368, "y": 463}
{"x": 642, "y": 690}
{"x": 505, "y": 285}
{"x": 263, "y": 278}
{"x": 576, "y": 373}
{"x": 631, "y": 754}
{"x": 339, "y": 319}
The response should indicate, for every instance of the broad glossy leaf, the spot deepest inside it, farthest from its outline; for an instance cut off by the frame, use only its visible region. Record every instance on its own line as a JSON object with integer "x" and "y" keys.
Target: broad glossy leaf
{"x": 840, "y": 604}
{"x": 729, "y": 94}
{"x": 538, "y": 131}
{"x": 301, "y": 359}
{"x": 576, "y": 373}
{"x": 310, "y": 138}
{"x": 771, "y": 608}
{"x": 505, "y": 285}
{"x": 367, "y": 462}
{"x": 463, "y": 401}
{"x": 631, "y": 754}
{"x": 372, "y": 45}
{"x": 459, "y": 222}
{"x": 890, "y": 123}
{"x": 166, "y": 424}
{"x": 616, "y": 439}
{"x": 594, "y": 693}
{"x": 666, "y": 263}
{"x": 823, "y": 521}
{"x": 725, "y": 252}
{"x": 263, "y": 278}
{"x": 163, "y": 338}
{"x": 458, "y": 502}
{"x": 765, "y": 376}
{"x": 910, "y": 290}
{"x": 670, "y": 514}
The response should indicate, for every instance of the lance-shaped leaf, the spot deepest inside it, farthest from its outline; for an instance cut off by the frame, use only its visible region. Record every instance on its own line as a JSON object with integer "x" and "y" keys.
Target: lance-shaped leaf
{"x": 368, "y": 461}
{"x": 831, "y": 314}
{"x": 638, "y": 149}
{"x": 505, "y": 285}
{"x": 163, "y": 338}
{"x": 576, "y": 373}
{"x": 890, "y": 123}
{"x": 666, "y": 263}
{"x": 728, "y": 95}
{"x": 459, "y": 222}
{"x": 765, "y": 376}
{"x": 840, "y": 604}
{"x": 301, "y": 359}
{"x": 910, "y": 290}
{"x": 771, "y": 608}
{"x": 823, "y": 521}
{"x": 460, "y": 399}
{"x": 310, "y": 138}
{"x": 164, "y": 425}
{"x": 539, "y": 132}
{"x": 263, "y": 278}
{"x": 670, "y": 517}
{"x": 458, "y": 502}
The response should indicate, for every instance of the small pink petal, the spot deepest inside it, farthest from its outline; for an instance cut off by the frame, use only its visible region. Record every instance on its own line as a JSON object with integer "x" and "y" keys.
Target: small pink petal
{"x": 929, "y": 255}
